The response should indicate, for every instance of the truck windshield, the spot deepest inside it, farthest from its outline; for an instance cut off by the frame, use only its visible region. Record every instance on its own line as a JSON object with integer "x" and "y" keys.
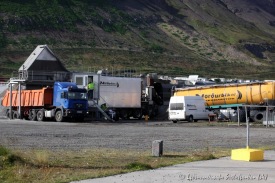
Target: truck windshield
{"x": 77, "y": 95}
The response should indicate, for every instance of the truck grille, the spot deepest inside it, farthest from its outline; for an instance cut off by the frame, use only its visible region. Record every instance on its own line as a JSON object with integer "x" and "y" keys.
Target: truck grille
{"x": 79, "y": 106}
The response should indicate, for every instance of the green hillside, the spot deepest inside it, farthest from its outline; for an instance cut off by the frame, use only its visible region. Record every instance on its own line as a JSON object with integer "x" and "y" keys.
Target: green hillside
{"x": 215, "y": 38}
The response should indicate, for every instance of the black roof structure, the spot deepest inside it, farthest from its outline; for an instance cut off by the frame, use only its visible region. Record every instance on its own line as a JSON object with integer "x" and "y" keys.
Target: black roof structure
{"x": 43, "y": 68}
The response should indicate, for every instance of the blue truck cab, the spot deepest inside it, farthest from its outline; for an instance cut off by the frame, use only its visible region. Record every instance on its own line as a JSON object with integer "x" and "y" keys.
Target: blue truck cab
{"x": 69, "y": 101}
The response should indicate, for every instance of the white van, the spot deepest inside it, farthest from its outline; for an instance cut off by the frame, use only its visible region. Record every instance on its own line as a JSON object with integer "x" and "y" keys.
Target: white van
{"x": 187, "y": 108}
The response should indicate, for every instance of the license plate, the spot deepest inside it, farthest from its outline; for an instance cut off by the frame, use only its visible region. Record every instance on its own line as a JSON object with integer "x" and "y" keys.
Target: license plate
{"x": 79, "y": 112}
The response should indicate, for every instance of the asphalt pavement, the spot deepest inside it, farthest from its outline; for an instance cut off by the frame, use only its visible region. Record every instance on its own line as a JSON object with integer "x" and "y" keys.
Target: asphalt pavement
{"x": 210, "y": 171}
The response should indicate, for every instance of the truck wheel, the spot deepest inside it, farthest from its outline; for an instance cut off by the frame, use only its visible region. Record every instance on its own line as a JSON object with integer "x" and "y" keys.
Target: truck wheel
{"x": 15, "y": 115}
{"x": 259, "y": 117}
{"x": 190, "y": 119}
{"x": 8, "y": 114}
{"x": 25, "y": 115}
{"x": 32, "y": 115}
{"x": 40, "y": 115}
{"x": 58, "y": 116}
{"x": 174, "y": 121}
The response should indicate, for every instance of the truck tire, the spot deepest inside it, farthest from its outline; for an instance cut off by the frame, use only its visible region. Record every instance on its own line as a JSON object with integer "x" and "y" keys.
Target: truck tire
{"x": 32, "y": 115}
{"x": 59, "y": 116}
{"x": 15, "y": 115}
{"x": 174, "y": 121}
{"x": 190, "y": 118}
{"x": 258, "y": 117}
{"x": 8, "y": 114}
{"x": 40, "y": 115}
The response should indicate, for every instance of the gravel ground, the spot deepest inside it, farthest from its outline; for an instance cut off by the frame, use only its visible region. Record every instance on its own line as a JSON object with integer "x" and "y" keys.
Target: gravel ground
{"x": 134, "y": 135}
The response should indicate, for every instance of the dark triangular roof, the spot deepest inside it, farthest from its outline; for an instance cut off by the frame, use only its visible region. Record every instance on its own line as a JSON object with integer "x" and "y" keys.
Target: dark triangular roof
{"x": 42, "y": 59}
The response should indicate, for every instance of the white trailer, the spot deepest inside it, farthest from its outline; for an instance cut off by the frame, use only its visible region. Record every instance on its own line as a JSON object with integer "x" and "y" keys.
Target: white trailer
{"x": 120, "y": 92}
{"x": 128, "y": 96}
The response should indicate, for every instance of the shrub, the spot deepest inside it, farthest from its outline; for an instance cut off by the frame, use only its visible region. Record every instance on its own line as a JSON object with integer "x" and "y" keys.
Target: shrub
{"x": 156, "y": 48}
{"x": 3, "y": 151}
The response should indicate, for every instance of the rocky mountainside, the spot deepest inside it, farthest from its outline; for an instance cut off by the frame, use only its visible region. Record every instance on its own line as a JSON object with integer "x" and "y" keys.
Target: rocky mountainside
{"x": 213, "y": 38}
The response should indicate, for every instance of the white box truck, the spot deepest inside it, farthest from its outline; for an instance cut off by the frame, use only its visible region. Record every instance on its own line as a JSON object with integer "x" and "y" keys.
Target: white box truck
{"x": 127, "y": 96}
{"x": 187, "y": 108}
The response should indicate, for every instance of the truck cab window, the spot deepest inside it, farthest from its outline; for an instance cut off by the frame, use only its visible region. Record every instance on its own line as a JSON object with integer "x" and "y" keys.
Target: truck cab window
{"x": 64, "y": 95}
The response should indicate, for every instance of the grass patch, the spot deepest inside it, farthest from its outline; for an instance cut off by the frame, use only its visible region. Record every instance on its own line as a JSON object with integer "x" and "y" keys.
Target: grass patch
{"x": 138, "y": 166}
{"x": 3, "y": 151}
{"x": 65, "y": 166}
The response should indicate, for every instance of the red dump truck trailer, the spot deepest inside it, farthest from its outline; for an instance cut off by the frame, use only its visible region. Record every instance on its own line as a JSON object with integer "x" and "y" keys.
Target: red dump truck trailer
{"x": 30, "y": 98}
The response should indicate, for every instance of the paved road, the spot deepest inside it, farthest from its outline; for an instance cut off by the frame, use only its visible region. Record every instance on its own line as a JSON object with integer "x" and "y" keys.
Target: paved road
{"x": 136, "y": 135}
{"x": 222, "y": 170}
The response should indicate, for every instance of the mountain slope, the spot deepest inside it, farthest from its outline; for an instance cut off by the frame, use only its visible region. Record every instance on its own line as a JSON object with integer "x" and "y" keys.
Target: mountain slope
{"x": 225, "y": 38}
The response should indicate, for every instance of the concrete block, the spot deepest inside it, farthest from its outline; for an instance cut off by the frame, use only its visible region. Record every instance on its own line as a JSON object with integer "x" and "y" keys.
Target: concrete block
{"x": 247, "y": 154}
{"x": 157, "y": 148}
